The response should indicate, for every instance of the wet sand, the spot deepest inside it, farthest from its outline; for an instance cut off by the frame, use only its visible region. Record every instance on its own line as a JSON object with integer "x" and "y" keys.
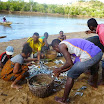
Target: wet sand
{"x": 24, "y": 96}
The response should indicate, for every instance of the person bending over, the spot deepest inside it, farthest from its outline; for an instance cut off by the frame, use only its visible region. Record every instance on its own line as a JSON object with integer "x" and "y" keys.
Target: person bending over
{"x": 80, "y": 55}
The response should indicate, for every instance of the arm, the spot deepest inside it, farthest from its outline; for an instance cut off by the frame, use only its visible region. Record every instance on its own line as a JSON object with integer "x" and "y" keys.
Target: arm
{"x": 67, "y": 56}
{"x": 31, "y": 59}
{"x": 89, "y": 32}
{"x": 38, "y": 56}
{"x": 64, "y": 70}
{"x": 68, "y": 64}
{"x": 64, "y": 37}
{"x": 1, "y": 64}
{"x": 17, "y": 68}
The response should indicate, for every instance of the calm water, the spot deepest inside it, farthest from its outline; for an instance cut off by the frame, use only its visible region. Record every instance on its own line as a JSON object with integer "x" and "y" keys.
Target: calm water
{"x": 24, "y": 26}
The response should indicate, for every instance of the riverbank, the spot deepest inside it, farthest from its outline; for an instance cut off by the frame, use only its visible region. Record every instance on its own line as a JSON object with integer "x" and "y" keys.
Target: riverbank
{"x": 24, "y": 96}
{"x": 43, "y": 14}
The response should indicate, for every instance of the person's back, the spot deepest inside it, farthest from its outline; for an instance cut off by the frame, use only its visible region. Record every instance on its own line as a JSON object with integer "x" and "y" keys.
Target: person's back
{"x": 100, "y": 32}
{"x": 81, "y": 48}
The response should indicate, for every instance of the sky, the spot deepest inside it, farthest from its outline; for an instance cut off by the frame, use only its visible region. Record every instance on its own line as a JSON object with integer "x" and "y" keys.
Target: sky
{"x": 55, "y": 1}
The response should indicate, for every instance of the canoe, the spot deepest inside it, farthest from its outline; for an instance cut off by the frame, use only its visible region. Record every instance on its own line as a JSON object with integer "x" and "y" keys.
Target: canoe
{"x": 5, "y": 23}
{"x": 2, "y": 36}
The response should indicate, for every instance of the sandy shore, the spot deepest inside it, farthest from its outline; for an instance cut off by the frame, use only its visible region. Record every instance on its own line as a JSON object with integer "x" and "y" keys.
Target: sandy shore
{"x": 24, "y": 96}
{"x": 17, "y": 44}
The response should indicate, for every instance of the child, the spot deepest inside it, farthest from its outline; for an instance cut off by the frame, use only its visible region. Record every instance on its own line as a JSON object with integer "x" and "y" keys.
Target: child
{"x": 5, "y": 56}
{"x": 61, "y": 37}
{"x": 14, "y": 70}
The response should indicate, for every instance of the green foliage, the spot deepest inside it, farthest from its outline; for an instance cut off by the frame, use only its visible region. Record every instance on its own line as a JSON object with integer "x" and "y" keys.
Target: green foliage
{"x": 96, "y": 9}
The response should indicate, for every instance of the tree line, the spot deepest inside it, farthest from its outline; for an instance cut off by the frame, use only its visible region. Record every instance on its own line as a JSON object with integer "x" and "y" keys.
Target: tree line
{"x": 96, "y": 9}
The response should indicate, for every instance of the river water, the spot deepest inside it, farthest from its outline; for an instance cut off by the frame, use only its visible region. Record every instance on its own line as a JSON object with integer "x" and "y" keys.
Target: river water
{"x": 25, "y": 25}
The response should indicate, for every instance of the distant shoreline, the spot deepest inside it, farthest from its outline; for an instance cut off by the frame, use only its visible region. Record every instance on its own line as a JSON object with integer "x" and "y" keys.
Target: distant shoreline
{"x": 41, "y": 14}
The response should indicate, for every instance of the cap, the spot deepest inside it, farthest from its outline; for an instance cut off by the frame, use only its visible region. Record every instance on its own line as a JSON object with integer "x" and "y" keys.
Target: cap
{"x": 9, "y": 50}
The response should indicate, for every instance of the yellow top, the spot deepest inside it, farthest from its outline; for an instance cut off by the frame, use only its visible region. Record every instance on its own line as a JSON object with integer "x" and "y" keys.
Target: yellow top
{"x": 35, "y": 46}
{"x": 41, "y": 39}
{"x": 42, "y": 42}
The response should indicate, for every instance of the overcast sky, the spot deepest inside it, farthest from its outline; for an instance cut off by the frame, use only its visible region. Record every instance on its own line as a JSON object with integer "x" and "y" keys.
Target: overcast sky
{"x": 54, "y": 1}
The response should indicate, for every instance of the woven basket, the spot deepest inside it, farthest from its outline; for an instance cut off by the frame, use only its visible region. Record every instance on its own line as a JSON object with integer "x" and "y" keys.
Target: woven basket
{"x": 51, "y": 54}
{"x": 41, "y": 91}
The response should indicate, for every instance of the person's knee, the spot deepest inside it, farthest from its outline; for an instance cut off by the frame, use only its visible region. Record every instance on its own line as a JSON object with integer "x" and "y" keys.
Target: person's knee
{"x": 69, "y": 80}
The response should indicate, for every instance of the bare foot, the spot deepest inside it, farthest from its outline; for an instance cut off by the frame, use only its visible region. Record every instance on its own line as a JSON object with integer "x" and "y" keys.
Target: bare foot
{"x": 101, "y": 82}
{"x": 59, "y": 99}
{"x": 94, "y": 88}
{"x": 16, "y": 86}
{"x": 92, "y": 85}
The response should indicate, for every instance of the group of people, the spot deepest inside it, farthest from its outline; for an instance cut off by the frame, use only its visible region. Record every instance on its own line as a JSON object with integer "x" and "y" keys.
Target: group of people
{"x": 80, "y": 55}
{"x": 13, "y": 68}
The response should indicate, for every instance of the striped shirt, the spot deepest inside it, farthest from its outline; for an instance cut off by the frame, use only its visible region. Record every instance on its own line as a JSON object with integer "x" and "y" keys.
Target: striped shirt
{"x": 4, "y": 58}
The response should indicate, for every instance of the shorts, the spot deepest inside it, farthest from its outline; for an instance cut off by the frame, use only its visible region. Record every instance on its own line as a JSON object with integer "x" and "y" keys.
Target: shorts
{"x": 80, "y": 67}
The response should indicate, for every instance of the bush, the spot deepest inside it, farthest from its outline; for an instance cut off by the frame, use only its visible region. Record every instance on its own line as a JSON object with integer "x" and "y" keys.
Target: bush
{"x": 96, "y": 9}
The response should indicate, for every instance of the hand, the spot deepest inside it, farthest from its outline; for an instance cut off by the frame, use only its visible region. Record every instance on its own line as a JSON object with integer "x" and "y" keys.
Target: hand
{"x": 88, "y": 32}
{"x": 35, "y": 59}
{"x": 38, "y": 62}
{"x": 33, "y": 50}
{"x": 57, "y": 72}
{"x": 29, "y": 64}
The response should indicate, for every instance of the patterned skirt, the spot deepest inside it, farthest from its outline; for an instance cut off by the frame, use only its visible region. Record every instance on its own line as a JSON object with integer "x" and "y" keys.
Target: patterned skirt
{"x": 7, "y": 72}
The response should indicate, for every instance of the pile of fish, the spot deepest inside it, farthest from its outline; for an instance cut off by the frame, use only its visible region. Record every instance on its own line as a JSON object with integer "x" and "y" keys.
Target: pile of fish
{"x": 43, "y": 69}
{"x": 79, "y": 91}
{"x": 58, "y": 62}
{"x": 35, "y": 70}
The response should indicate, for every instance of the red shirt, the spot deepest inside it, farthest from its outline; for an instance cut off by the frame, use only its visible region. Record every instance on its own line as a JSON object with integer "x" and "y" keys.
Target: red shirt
{"x": 4, "y": 57}
{"x": 100, "y": 32}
